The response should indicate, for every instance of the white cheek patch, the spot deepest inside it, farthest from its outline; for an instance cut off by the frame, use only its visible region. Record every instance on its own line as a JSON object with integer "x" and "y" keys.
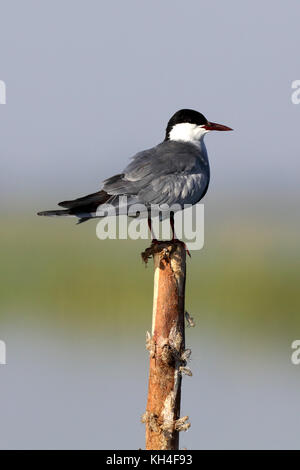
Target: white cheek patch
{"x": 188, "y": 132}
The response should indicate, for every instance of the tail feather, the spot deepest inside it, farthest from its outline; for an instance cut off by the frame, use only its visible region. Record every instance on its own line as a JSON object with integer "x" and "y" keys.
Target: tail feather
{"x": 55, "y": 213}
{"x": 84, "y": 207}
{"x": 83, "y": 219}
{"x": 96, "y": 198}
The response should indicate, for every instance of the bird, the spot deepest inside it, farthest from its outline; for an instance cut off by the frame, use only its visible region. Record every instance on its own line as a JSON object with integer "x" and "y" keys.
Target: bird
{"x": 176, "y": 171}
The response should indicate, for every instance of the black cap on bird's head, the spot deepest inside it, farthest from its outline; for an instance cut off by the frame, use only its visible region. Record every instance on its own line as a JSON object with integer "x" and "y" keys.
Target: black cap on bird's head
{"x": 198, "y": 120}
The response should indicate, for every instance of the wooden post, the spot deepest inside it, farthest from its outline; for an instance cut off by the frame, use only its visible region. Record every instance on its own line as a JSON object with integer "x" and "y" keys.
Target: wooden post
{"x": 166, "y": 347}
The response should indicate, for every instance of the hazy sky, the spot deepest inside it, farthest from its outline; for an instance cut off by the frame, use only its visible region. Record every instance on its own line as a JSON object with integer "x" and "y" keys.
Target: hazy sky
{"x": 90, "y": 83}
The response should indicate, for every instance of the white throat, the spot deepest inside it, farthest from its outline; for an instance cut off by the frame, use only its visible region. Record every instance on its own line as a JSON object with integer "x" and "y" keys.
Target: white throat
{"x": 187, "y": 132}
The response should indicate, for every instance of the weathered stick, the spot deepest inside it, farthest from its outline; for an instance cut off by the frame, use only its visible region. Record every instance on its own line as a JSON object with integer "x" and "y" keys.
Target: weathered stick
{"x": 167, "y": 347}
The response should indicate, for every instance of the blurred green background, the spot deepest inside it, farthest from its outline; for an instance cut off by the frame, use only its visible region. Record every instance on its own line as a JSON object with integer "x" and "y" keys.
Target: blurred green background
{"x": 245, "y": 278}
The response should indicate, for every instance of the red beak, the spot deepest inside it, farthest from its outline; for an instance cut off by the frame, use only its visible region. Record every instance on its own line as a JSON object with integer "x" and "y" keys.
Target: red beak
{"x": 213, "y": 126}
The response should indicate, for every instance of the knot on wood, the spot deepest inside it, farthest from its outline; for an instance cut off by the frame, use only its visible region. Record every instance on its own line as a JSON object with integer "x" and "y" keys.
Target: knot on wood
{"x": 182, "y": 424}
{"x": 180, "y": 356}
{"x": 150, "y": 344}
{"x": 167, "y": 426}
{"x": 175, "y": 339}
{"x": 185, "y": 356}
{"x": 171, "y": 351}
{"x": 170, "y": 424}
{"x": 185, "y": 370}
{"x": 164, "y": 248}
{"x": 150, "y": 419}
{"x": 170, "y": 355}
{"x": 167, "y": 355}
{"x": 171, "y": 347}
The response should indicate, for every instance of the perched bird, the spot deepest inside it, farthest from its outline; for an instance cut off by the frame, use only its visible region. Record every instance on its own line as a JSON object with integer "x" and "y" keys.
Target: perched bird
{"x": 176, "y": 171}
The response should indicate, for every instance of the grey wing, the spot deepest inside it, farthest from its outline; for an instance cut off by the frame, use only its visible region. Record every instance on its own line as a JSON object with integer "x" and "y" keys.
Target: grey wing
{"x": 177, "y": 189}
{"x": 170, "y": 173}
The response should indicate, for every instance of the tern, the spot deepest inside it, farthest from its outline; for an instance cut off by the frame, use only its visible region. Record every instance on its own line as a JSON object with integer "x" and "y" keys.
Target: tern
{"x": 174, "y": 172}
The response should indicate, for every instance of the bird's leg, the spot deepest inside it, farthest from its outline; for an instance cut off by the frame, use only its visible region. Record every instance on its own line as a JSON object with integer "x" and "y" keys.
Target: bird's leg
{"x": 154, "y": 240}
{"x": 173, "y": 233}
{"x": 187, "y": 250}
{"x": 172, "y": 226}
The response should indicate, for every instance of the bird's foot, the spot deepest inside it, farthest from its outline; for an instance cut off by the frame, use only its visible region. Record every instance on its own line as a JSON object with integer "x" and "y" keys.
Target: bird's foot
{"x": 151, "y": 250}
{"x": 165, "y": 247}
